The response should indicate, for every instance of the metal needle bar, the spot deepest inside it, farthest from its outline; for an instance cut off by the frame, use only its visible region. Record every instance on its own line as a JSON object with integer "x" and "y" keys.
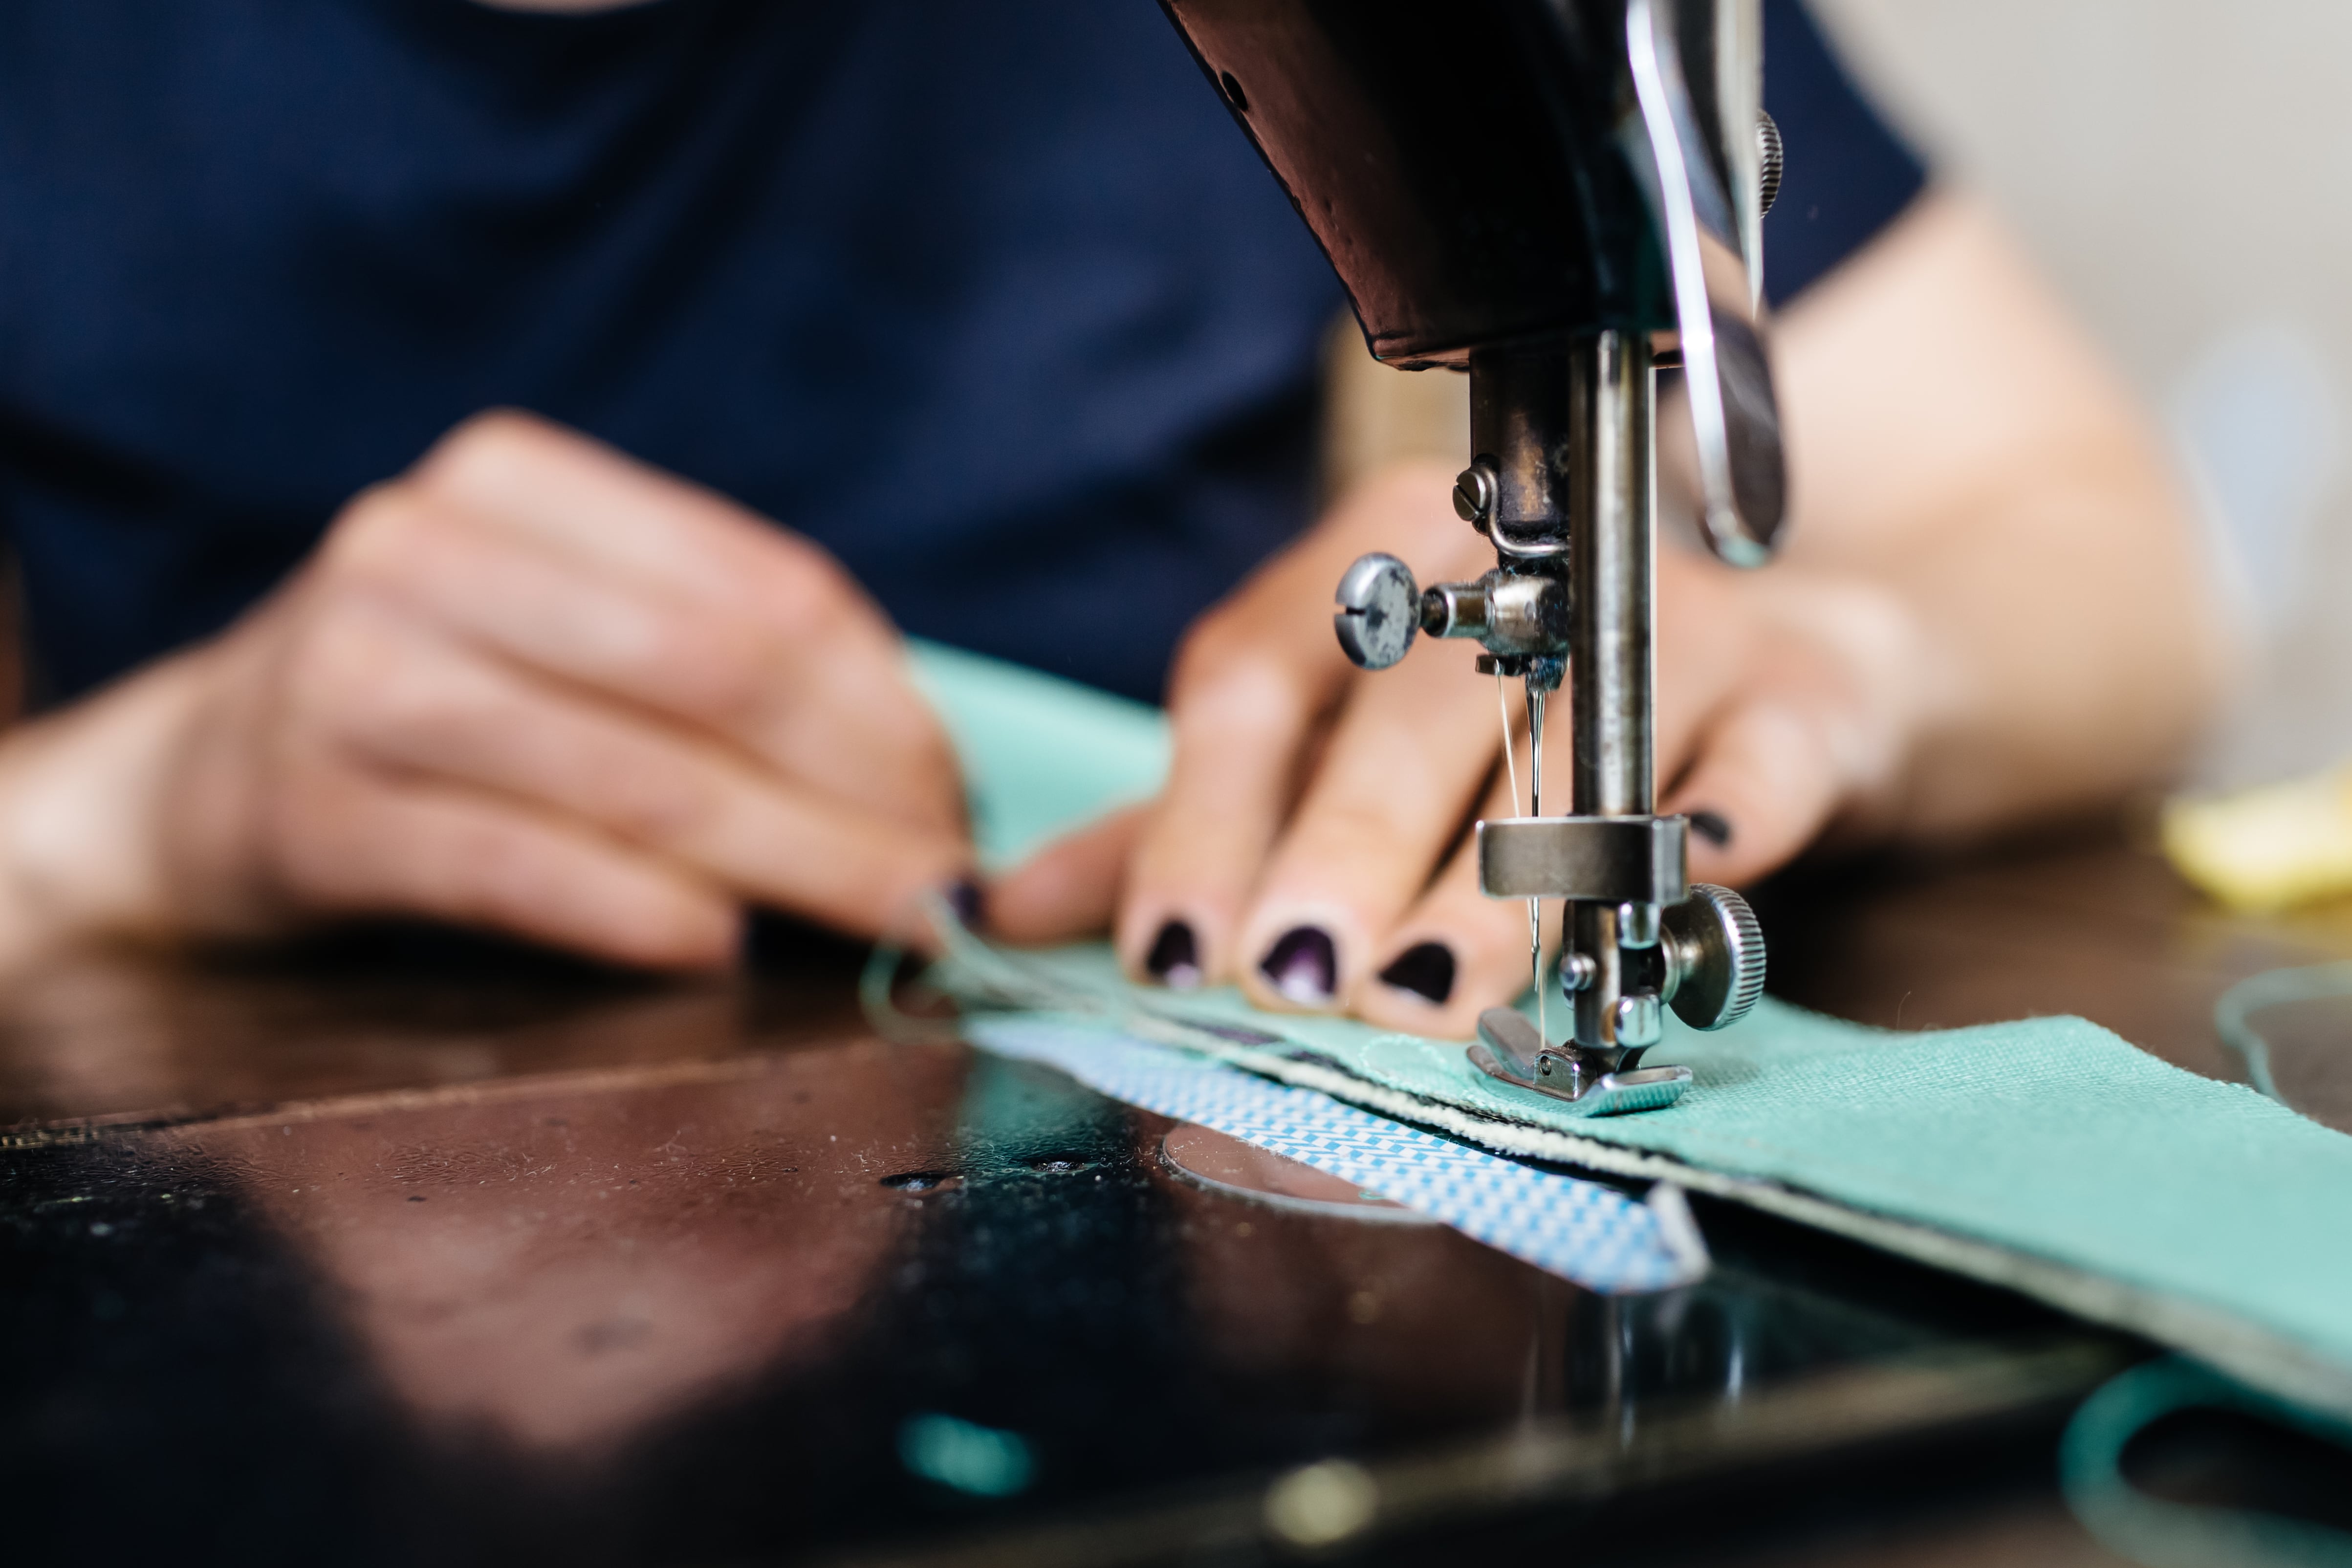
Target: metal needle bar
{"x": 1534, "y": 808}
{"x": 1610, "y": 411}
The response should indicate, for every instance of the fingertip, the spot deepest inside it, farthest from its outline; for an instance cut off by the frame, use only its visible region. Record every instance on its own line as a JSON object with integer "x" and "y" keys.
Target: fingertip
{"x": 1406, "y": 993}
{"x": 1717, "y": 848}
{"x": 709, "y": 945}
{"x": 1426, "y": 969}
{"x": 1744, "y": 855}
{"x": 1456, "y": 953}
{"x": 1763, "y": 786}
{"x": 483, "y": 452}
{"x": 1173, "y": 959}
{"x": 677, "y": 929}
{"x": 1415, "y": 990}
{"x": 1176, "y": 911}
{"x": 968, "y": 899}
{"x": 1067, "y": 890}
{"x": 1297, "y": 969}
{"x": 1171, "y": 944}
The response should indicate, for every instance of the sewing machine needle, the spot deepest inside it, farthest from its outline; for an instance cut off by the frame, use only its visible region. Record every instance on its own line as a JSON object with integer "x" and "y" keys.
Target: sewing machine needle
{"x": 1534, "y": 808}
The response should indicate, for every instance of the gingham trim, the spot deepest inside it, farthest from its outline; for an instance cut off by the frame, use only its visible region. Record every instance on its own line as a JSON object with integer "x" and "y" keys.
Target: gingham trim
{"x": 1582, "y": 1231}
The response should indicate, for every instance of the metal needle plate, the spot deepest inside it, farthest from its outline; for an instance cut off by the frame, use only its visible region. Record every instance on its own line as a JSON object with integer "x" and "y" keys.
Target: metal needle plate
{"x": 1210, "y": 1159}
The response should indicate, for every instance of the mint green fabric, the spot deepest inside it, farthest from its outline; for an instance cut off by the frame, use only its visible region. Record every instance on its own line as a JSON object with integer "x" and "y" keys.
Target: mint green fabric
{"x": 2164, "y": 1534}
{"x": 1040, "y": 756}
{"x": 2048, "y": 1153}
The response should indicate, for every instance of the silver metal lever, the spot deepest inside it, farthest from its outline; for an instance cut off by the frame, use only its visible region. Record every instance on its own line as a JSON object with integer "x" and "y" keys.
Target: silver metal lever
{"x": 1726, "y": 376}
{"x": 1607, "y": 859}
{"x": 1512, "y": 614}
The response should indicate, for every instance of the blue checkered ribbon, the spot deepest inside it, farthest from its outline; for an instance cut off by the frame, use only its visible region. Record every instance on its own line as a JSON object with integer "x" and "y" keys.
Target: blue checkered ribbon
{"x": 1582, "y": 1231}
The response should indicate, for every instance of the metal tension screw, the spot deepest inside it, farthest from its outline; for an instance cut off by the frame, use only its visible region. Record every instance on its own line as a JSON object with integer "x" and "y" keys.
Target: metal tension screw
{"x": 1637, "y": 925}
{"x": 1474, "y": 495}
{"x": 1575, "y": 971}
{"x": 1638, "y": 1020}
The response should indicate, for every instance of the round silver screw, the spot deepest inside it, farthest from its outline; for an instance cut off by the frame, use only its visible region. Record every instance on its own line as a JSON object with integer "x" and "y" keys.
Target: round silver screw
{"x": 1638, "y": 1020}
{"x": 1380, "y": 611}
{"x": 1474, "y": 494}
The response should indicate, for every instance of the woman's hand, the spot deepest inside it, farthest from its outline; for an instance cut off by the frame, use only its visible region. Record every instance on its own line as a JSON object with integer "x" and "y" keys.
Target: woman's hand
{"x": 1993, "y": 607}
{"x": 530, "y": 685}
{"x": 1311, "y": 842}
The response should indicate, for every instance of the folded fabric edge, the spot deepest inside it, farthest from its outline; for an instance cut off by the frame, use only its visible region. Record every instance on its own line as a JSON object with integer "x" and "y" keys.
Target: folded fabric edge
{"x": 2265, "y": 1359}
{"x": 2245, "y": 1351}
{"x": 1597, "y": 1262}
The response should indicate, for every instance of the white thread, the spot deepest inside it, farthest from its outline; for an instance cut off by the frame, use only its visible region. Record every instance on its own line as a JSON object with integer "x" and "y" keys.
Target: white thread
{"x": 1510, "y": 752}
{"x": 1534, "y": 808}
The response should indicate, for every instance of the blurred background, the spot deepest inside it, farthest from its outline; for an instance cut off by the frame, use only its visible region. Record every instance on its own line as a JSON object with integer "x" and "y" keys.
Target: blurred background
{"x": 2181, "y": 170}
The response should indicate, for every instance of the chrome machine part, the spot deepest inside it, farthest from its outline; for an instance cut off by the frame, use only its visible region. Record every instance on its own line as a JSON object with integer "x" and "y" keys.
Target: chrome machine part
{"x": 1770, "y": 160}
{"x": 1506, "y": 612}
{"x": 1379, "y": 610}
{"x": 1475, "y": 490}
{"x": 1715, "y": 957}
{"x": 1509, "y": 614}
{"x": 1728, "y": 381}
{"x": 1602, "y": 199}
{"x": 1611, "y": 569}
{"x": 1605, "y": 859}
{"x": 1597, "y": 1083}
{"x": 1610, "y": 566}
{"x": 1638, "y": 1022}
{"x": 1521, "y": 437}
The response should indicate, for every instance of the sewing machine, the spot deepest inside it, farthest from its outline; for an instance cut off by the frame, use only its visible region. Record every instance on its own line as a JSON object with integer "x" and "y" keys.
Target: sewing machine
{"x": 1563, "y": 198}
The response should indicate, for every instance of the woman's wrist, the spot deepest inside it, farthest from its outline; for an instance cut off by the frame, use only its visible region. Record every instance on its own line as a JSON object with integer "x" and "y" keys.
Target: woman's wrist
{"x": 81, "y": 797}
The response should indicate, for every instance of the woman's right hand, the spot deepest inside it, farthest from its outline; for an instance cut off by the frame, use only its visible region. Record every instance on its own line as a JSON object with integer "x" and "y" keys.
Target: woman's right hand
{"x": 1311, "y": 846}
{"x": 1992, "y": 608}
{"x": 530, "y": 685}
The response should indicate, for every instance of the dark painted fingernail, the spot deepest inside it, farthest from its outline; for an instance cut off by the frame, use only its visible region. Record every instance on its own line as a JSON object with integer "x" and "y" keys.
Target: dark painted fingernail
{"x": 1303, "y": 966}
{"x": 969, "y": 904}
{"x": 1425, "y": 970}
{"x": 1711, "y": 826}
{"x": 1175, "y": 957}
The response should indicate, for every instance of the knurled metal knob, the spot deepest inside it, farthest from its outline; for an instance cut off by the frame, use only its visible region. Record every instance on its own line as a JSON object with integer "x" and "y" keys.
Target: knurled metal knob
{"x": 1715, "y": 948}
{"x": 1380, "y": 611}
{"x": 1770, "y": 160}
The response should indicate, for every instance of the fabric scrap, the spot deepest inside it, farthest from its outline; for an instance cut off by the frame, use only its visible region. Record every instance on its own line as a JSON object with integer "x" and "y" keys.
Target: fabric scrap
{"x": 2046, "y": 1155}
{"x": 1582, "y": 1231}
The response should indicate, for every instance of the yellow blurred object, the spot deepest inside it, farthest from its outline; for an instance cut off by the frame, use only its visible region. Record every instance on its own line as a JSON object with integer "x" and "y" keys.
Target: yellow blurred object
{"x": 2270, "y": 847}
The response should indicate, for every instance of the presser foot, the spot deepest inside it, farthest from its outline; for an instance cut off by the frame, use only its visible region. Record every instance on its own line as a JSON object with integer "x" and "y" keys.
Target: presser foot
{"x": 1597, "y": 1083}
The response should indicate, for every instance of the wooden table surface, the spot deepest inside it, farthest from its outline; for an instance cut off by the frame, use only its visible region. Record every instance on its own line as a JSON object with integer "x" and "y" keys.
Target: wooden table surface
{"x": 2083, "y": 923}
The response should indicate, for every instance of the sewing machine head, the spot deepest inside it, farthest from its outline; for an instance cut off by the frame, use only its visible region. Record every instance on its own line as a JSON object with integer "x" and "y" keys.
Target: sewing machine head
{"x": 1561, "y": 198}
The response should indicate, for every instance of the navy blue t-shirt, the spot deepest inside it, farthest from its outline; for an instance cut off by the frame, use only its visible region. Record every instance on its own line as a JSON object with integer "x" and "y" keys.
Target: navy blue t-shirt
{"x": 993, "y": 301}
